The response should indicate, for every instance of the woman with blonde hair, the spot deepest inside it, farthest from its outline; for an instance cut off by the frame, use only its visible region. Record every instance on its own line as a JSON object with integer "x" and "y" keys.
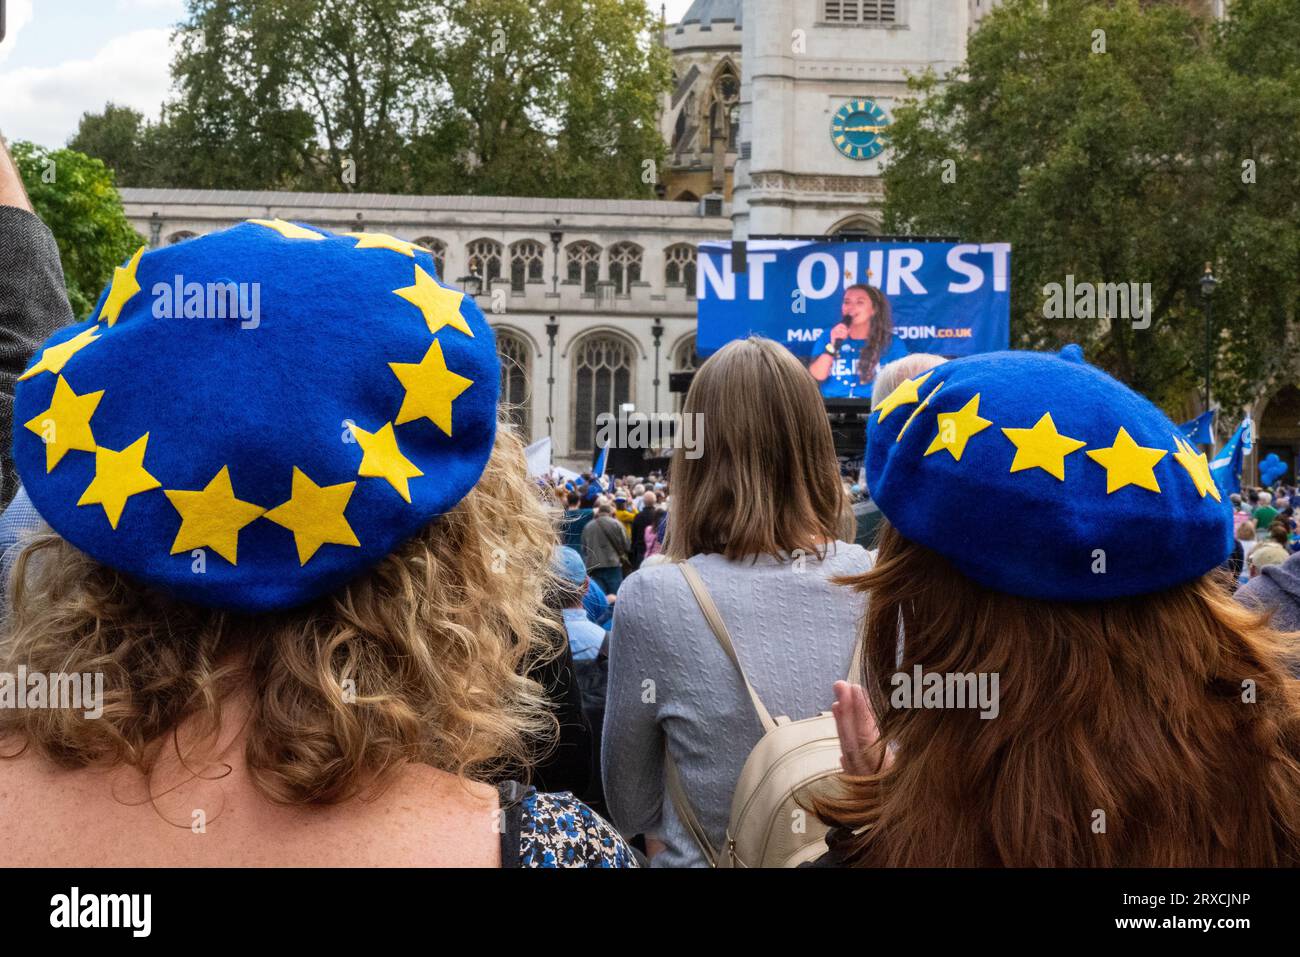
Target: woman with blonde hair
{"x": 1078, "y": 690}
{"x": 758, "y": 518}
{"x": 294, "y": 579}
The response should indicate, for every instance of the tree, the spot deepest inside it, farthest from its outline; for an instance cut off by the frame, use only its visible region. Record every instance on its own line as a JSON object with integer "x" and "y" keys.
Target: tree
{"x": 1105, "y": 141}
{"x": 75, "y": 196}
{"x": 118, "y": 136}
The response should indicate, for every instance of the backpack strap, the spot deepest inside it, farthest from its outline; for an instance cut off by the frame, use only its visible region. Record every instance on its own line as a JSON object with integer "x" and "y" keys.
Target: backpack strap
{"x": 719, "y": 628}
{"x": 684, "y": 809}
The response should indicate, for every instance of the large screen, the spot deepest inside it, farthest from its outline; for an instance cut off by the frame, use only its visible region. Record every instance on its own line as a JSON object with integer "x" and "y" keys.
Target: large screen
{"x": 848, "y": 308}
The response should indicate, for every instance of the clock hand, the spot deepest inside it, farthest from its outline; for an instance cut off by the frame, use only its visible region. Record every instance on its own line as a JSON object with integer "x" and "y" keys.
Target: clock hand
{"x": 864, "y": 129}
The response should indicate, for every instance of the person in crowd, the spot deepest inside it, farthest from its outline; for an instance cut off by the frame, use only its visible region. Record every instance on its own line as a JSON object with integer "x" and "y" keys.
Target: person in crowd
{"x": 598, "y": 606}
{"x": 606, "y": 549}
{"x": 1245, "y": 538}
{"x": 1102, "y": 720}
{"x": 585, "y": 636}
{"x": 757, "y": 517}
{"x": 625, "y": 515}
{"x": 310, "y": 641}
{"x": 575, "y": 520}
{"x": 33, "y": 300}
{"x": 1276, "y": 592}
{"x": 1265, "y": 513}
{"x": 648, "y": 516}
{"x": 910, "y": 366}
{"x": 1271, "y": 551}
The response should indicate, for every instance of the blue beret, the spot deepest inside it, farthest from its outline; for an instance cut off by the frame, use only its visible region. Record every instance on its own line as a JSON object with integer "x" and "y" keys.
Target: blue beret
{"x": 252, "y": 418}
{"x": 1041, "y": 476}
{"x": 569, "y": 565}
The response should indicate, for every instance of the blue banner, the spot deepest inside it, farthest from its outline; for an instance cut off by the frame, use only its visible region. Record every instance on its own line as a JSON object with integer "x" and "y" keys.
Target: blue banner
{"x": 1199, "y": 431}
{"x": 848, "y": 308}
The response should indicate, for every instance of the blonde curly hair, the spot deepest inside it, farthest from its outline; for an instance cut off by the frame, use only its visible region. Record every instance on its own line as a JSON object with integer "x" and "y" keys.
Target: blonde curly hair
{"x": 422, "y": 659}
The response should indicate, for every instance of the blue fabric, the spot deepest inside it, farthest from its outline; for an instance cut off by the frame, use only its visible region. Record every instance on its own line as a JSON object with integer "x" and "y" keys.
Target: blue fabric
{"x": 575, "y": 520}
{"x": 610, "y": 579}
{"x": 20, "y": 520}
{"x": 1026, "y": 532}
{"x": 844, "y": 381}
{"x": 263, "y": 398}
{"x": 597, "y": 606}
{"x": 585, "y": 637}
{"x": 569, "y": 565}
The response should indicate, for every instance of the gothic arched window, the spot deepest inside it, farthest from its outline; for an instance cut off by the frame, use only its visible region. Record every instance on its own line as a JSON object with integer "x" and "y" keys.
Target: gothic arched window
{"x": 679, "y": 267}
{"x": 624, "y": 266}
{"x": 584, "y": 264}
{"x": 438, "y": 249}
{"x": 484, "y": 260}
{"x": 516, "y": 380}
{"x": 525, "y": 263}
{"x": 603, "y": 366}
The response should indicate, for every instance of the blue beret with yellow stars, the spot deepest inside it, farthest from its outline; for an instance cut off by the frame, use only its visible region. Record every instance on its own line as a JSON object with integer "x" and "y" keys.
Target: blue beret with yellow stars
{"x": 250, "y": 419}
{"x": 1057, "y": 482}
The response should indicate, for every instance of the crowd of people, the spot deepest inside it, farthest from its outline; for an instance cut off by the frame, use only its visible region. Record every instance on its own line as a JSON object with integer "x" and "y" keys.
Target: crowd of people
{"x": 383, "y": 643}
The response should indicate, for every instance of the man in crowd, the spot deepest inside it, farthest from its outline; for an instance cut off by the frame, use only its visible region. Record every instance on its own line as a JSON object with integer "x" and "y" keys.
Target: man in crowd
{"x": 605, "y": 547}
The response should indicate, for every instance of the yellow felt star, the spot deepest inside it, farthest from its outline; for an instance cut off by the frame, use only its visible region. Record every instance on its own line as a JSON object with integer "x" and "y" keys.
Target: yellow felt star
{"x": 124, "y": 287}
{"x": 288, "y": 230}
{"x": 385, "y": 241}
{"x": 1198, "y": 467}
{"x": 55, "y": 358}
{"x": 918, "y": 410}
{"x": 430, "y": 388}
{"x": 314, "y": 514}
{"x": 383, "y": 459}
{"x": 908, "y": 391}
{"x": 118, "y": 476}
{"x": 65, "y": 425}
{"x": 956, "y": 428}
{"x": 1042, "y": 447}
{"x": 212, "y": 518}
{"x": 1127, "y": 463}
{"x": 440, "y": 306}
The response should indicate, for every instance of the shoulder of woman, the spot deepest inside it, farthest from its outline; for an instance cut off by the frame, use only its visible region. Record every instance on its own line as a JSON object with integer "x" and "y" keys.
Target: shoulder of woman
{"x": 558, "y": 830}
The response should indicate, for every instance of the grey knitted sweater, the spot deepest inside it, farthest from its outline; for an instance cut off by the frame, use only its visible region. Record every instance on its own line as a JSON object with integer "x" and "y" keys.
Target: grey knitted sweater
{"x": 670, "y": 681}
{"x": 33, "y": 304}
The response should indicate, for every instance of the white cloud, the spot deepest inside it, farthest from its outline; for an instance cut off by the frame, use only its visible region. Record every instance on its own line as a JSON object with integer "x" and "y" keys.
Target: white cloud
{"x": 44, "y": 104}
{"x": 152, "y": 6}
{"x": 18, "y": 13}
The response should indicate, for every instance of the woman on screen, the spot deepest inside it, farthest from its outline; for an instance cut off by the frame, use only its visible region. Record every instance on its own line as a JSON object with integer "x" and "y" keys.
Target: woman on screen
{"x": 848, "y": 355}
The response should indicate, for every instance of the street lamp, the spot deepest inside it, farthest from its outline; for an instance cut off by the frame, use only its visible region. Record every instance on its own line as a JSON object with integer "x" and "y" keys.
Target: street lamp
{"x": 1208, "y": 284}
{"x": 473, "y": 285}
{"x": 556, "y": 236}
{"x": 552, "y": 329}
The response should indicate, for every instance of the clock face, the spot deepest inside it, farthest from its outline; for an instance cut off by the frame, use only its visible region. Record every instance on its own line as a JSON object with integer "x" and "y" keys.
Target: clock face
{"x": 857, "y": 127}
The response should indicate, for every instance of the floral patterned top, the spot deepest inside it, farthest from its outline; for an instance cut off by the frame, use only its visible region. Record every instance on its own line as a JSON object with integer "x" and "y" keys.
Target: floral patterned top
{"x": 557, "y": 830}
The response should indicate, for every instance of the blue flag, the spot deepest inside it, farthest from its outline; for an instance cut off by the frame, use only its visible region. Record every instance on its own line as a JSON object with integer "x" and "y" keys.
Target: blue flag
{"x": 598, "y": 471}
{"x": 1226, "y": 466}
{"x": 1199, "y": 431}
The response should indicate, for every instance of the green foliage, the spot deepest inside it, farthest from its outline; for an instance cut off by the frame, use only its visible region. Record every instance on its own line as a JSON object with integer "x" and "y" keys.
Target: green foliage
{"x": 503, "y": 97}
{"x": 1123, "y": 166}
{"x": 75, "y": 196}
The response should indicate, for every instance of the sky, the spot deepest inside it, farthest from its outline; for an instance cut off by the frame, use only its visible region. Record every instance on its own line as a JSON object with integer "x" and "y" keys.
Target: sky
{"x": 62, "y": 58}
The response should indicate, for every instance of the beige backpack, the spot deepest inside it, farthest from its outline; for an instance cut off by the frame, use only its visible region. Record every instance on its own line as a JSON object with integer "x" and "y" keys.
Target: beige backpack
{"x": 767, "y": 827}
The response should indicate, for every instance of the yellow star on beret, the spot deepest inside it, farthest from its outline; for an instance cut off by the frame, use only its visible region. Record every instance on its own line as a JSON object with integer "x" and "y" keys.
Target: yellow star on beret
{"x": 314, "y": 514}
{"x": 382, "y": 458}
{"x": 956, "y": 428}
{"x": 385, "y": 241}
{"x": 212, "y": 518}
{"x": 430, "y": 388}
{"x": 918, "y": 410}
{"x": 908, "y": 391}
{"x": 439, "y": 306}
{"x": 124, "y": 287}
{"x": 55, "y": 358}
{"x": 1127, "y": 463}
{"x": 65, "y": 425}
{"x": 1042, "y": 447}
{"x": 1198, "y": 467}
{"x": 118, "y": 476}
{"x": 287, "y": 229}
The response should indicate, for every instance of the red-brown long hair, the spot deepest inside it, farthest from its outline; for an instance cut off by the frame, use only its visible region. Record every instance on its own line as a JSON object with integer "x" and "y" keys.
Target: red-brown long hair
{"x": 1156, "y": 731}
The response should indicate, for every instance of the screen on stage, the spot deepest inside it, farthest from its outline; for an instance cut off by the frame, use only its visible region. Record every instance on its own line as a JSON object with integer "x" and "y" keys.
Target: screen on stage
{"x": 848, "y": 308}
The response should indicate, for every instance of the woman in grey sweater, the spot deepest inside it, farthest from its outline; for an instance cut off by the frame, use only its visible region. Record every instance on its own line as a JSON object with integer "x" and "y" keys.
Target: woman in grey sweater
{"x": 762, "y": 517}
